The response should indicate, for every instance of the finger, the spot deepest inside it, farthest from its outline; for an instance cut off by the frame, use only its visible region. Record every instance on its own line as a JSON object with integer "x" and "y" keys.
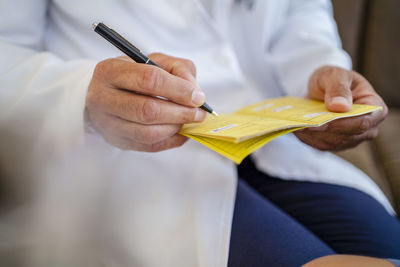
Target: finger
{"x": 126, "y": 58}
{"x": 338, "y": 95}
{"x": 130, "y": 136}
{"x": 150, "y": 80}
{"x": 145, "y": 134}
{"x": 364, "y": 93}
{"x": 334, "y": 84}
{"x": 146, "y": 110}
{"x": 313, "y": 139}
{"x": 353, "y": 125}
{"x": 333, "y": 142}
{"x": 172, "y": 142}
{"x": 321, "y": 128}
{"x": 180, "y": 67}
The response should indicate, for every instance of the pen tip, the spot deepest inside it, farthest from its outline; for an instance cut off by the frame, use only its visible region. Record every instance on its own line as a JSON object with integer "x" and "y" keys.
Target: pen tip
{"x": 94, "y": 25}
{"x": 214, "y": 113}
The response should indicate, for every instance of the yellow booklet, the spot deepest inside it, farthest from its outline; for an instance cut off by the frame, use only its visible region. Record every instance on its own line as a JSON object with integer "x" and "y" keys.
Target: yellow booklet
{"x": 238, "y": 134}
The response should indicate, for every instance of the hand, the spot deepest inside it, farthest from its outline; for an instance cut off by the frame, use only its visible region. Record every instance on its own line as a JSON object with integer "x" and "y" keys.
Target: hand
{"x": 348, "y": 261}
{"x": 122, "y": 106}
{"x": 339, "y": 89}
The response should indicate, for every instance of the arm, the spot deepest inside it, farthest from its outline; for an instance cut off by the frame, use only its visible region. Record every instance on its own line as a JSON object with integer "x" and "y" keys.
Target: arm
{"x": 42, "y": 97}
{"x": 49, "y": 95}
{"x": 317, "y": 67}
{"x": 307, "y": 40}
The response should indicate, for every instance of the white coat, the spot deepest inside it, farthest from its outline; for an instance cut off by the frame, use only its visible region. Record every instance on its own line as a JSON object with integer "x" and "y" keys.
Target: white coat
{"x": 92, "y": 203}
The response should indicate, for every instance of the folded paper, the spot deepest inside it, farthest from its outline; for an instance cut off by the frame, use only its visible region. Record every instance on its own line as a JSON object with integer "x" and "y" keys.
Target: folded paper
{"x": 238, "y": 134}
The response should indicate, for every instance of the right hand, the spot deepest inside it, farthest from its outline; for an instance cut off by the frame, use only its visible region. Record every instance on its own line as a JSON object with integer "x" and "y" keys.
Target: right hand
{"x": 122, "y": 106}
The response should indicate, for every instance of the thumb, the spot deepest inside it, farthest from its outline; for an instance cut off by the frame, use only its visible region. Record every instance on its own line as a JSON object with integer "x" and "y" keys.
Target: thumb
{"x": 335, "y": 85}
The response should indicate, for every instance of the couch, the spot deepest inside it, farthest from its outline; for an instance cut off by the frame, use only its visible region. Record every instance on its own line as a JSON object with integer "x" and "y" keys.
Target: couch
{"x": 370, "y": 32}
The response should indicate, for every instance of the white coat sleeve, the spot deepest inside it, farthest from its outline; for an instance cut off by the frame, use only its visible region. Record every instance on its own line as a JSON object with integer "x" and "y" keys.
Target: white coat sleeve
{"x": 41, "y": 95}
{"x": 307, "y": 40}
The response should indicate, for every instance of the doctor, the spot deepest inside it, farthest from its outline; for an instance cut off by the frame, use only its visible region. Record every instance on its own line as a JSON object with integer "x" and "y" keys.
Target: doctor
{"x": 80, "y": 120}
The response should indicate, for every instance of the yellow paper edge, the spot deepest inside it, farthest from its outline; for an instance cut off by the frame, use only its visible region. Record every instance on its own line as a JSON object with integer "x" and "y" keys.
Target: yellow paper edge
{"x": 269, "y": 121}
{"x": 242, "y": 149}
{"x": 237, "y": 150}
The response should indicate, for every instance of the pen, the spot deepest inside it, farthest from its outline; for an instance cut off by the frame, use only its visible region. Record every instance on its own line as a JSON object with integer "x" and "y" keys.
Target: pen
{"x": 132, "y": 51}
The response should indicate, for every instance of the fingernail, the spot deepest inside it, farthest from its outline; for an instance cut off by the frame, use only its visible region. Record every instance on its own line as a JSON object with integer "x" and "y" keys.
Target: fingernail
{"x": 198, "y": 97}
{"x": 340, "y": 100}
{"x": 200, "y": 115}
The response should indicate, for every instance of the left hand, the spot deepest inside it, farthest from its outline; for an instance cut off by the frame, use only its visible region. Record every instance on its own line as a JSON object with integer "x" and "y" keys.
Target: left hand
{"x": 339, "y": 89}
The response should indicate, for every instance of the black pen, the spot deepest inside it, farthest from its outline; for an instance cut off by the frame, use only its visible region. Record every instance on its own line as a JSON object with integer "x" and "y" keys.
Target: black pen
{"x": 131, "y": 51}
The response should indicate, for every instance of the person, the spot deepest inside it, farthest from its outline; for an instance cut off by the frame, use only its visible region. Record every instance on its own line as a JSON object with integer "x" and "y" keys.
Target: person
{"x": 79, "y": 120}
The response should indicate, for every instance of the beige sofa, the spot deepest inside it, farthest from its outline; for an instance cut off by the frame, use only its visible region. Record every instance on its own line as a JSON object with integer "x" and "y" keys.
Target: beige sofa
{"x": 370, "y": 31}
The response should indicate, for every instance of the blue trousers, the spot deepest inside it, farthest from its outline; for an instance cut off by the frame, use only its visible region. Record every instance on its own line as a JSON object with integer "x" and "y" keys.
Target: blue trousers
{"x": 288, "y": 223}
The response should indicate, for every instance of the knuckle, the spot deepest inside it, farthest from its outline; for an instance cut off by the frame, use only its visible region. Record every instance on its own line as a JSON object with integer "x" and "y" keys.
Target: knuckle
{"x": 342, "y": 85}
{"x": 341, "y": 88}
{"x": 104, "y": 67}
{"x": 365, "y": 124}
{"x": 109, "y": 70}
{"x": 149, "y": 112}
{"x": 101, "y": 66}
{"x": 189, "y": 64}
{"x": 150, "y": 79}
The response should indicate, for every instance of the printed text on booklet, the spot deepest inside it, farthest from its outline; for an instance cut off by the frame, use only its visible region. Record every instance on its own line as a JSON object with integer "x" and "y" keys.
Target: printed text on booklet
{"x": 238, "y": 134}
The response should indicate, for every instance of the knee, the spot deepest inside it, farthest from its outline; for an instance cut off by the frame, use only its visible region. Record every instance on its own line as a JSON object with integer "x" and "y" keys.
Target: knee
{"x": 348, "y": 261}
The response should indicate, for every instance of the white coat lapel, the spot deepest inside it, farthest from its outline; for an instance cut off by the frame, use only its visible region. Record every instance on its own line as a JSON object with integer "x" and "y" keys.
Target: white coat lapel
{"x": 216, "y": 13}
